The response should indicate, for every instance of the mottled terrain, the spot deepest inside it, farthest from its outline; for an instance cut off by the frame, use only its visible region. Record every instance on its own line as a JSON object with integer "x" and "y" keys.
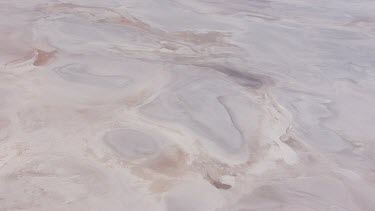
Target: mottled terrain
{"x": 236, "y": 105}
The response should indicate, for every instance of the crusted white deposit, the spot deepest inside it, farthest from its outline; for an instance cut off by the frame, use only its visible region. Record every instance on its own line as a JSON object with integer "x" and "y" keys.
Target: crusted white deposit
{"x": 187, "y": 105}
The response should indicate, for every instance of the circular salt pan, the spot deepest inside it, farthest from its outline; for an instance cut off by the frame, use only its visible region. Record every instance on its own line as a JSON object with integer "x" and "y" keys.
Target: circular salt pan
{"x": 131, "y": 144}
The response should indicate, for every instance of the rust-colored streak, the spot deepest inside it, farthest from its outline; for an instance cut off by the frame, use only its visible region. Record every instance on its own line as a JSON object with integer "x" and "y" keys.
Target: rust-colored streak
{"x": 200, "y": 38}
{"x": 113, "y": 17}
{"x": 170, "y": 163}
{"x": 43, "y": 57}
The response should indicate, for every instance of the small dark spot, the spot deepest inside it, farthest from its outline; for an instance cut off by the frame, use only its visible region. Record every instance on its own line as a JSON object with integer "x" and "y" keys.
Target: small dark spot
{"x": 217, "y": 184}
{"x": 220, "y": 185}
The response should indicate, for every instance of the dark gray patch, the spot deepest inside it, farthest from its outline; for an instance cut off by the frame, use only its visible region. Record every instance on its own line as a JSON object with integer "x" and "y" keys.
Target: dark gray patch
{"x": 217, "y": 184}
{"x": 246, "y": 79}
{"x": 243, "y": 78}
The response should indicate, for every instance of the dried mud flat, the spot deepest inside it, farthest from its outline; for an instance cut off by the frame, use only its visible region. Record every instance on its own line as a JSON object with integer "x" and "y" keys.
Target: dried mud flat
{"x": 240, "y": 105}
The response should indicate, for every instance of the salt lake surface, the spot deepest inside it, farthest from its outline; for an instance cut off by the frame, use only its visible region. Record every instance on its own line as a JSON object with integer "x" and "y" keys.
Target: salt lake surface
{"x": 199, "y": 105}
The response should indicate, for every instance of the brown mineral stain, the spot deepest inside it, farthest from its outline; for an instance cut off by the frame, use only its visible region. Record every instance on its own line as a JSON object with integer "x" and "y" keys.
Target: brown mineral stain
{"x": 171, "y": 163}
{"x": 4, "y": 123}
{"x": 134, "y": 23}
{"x": 160, "y": 186}
{"x": 138, "y": 98}
{"x": 43, "y": 57}
{"x": 200, "y": 38}
{"x": 142, "y": 173}
{"x": 111, "y": 16}
{"x": 294, "y": 144}
{"x": 4, "y": 128}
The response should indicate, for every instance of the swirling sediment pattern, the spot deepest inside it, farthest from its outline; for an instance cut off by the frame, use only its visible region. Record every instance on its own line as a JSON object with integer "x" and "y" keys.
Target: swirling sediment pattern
{"x": 199, "y": 105}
